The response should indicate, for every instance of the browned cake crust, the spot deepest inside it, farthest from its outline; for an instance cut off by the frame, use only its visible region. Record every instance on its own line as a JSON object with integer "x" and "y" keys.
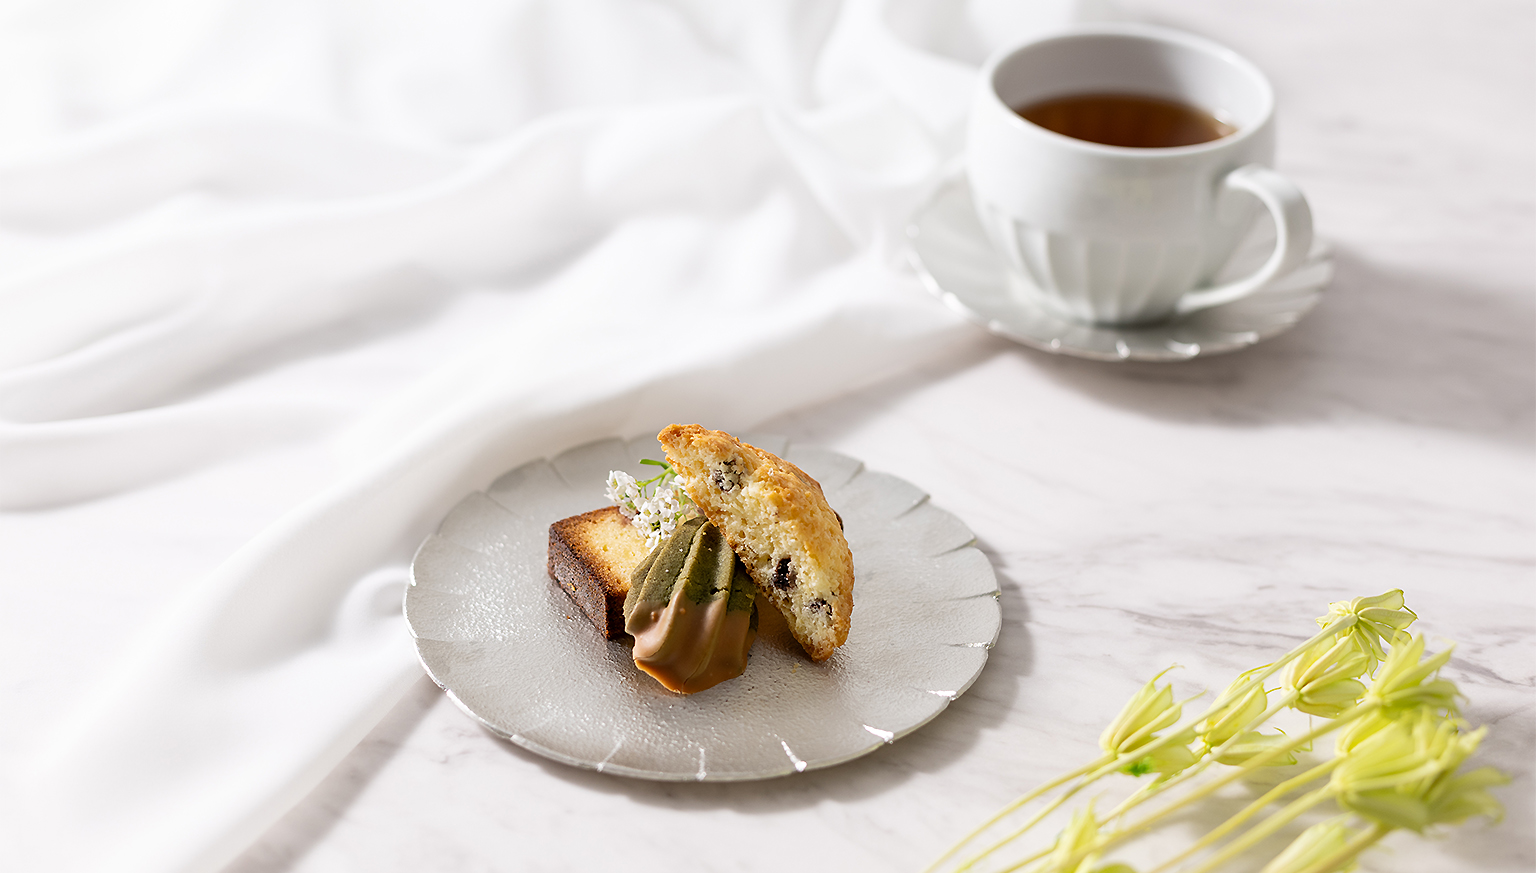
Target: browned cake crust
{"x": 591, "y": 556}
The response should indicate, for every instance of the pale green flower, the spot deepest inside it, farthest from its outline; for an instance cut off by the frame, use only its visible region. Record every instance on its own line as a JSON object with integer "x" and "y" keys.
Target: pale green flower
{"x": 1376, "y": 620}
{"x": 1397, "y": 767}
{"x": 1234, "y": 716}
{"x": 1400, "y": 691}
{"x": 1361, "y": 729}
{"x": 1079, "y": 836}
{"x": 1176, "y": 757}
{"x": 1402, "y": 679}
{"x": 1403, "y": 775}
{"x": 1325, "y": 677}
{"x": 1454, "y": 800}
{"x": 1231, "y": 718}
{"x": 1149, "y": 710}
{"x": 1320, "y": 841}
{"x": 1252, "y": 744}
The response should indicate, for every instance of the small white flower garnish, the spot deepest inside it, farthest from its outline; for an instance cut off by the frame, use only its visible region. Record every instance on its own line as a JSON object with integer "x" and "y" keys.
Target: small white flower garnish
{"x": 654, "y": 513}
{"x": 625, "y": 491}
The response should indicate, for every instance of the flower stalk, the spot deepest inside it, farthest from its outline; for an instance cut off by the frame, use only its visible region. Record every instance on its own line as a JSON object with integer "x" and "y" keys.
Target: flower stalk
{"x": 1396, "y": 764}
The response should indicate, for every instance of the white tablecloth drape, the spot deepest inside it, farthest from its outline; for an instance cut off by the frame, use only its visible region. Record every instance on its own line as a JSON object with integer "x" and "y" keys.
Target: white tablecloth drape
{"x": 382, "y": 253}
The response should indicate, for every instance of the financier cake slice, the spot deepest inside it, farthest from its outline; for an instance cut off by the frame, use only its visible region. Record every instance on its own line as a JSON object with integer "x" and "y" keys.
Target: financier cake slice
{"x": 777, "y": 520}
{"x": 592, "y": 556}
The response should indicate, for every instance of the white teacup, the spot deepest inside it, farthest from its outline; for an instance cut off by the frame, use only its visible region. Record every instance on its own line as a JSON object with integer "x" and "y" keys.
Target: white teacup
{"x": 1121, "y": 235}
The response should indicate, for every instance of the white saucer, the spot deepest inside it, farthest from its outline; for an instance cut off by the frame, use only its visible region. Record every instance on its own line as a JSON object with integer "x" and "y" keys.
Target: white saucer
{"x": 957, "y": 263}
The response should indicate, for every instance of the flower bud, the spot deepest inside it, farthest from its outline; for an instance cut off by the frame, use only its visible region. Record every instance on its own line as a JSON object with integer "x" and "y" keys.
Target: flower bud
{"x": 1376, "y": 621}
{"x": 1403, "y": 776}
{"x": 1464, "y": 795}
{"x": 1316, "y": 843}
{"x": 1252, "y": 744}
{"x": 1324, "y": 677}
{"x": 1176, "y": 757}
{"x": 1366, "y": 727}
{"x": 1231, "y": 718}
{"x": 1078, "y": 837}
{"x": 1149, "y": 710}
{"x": 1402, "y": 679}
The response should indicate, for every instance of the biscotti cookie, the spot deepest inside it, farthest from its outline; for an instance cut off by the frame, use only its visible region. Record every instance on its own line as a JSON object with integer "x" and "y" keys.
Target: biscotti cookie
{"x": 777, "y": 520}
{"x": 592, "y": 556}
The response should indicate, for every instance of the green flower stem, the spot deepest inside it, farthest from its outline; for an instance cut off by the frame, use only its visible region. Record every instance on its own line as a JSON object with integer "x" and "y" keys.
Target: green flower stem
{"x": 1212, "y": 754}
{"x": 1029, "y": 860}
{"x": 1105, "y": 766}
{"x": 1023, "y": 862}
{"x": 1359, "y": 843}
{"x": 1215, "y": 785}
{"x": 1003, "y": 813}
{"x": 1110, "y": 767}
{"x": 1274, "y": 823}
{"x": 1140, "y": 794}
{"x": 1253, "y": 763}
{"x": 1200, "y": 766}
{"x": 666, "y": 470}
{"x": 1034, "y": 820}
{"x": 1248, "y": 811}
{"x": 1332, "y": 629}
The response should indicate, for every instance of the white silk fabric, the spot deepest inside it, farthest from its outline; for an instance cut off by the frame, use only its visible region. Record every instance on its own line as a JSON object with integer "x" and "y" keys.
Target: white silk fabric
{"x": 385, "y": 252}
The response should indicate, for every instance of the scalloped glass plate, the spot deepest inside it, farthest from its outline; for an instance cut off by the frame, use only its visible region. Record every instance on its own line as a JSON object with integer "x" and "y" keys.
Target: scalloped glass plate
{"x": 515, "y": 653}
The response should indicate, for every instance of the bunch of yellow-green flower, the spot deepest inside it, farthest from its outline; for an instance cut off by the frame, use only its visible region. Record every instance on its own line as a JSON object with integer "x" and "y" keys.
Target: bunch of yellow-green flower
{"x": 1397, "y": 762}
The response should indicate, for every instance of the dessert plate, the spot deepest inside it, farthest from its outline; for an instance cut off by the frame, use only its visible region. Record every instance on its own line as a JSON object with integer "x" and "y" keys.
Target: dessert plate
{"x": 958, "y": 265}
{"x": 515, "y": 653}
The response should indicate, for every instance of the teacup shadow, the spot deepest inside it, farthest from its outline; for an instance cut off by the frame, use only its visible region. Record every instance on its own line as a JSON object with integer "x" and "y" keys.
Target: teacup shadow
{"x": 1410, "y": 348}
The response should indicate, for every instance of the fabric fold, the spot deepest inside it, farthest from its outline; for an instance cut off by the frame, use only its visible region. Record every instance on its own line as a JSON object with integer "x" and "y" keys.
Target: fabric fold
{"x": 252, "y": 660}
{"x": 418, "y": 247}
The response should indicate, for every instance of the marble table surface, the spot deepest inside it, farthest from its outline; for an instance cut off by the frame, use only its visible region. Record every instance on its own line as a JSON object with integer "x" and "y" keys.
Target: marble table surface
{"x": 1136, "y": 515}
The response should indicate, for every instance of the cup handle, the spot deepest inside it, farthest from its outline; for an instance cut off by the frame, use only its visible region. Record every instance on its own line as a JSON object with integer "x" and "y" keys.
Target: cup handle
{"x": 1293, "y": 235}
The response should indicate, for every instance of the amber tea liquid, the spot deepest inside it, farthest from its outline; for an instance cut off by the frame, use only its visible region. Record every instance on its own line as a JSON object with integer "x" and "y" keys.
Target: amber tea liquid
{"x": 1129, "y": 120}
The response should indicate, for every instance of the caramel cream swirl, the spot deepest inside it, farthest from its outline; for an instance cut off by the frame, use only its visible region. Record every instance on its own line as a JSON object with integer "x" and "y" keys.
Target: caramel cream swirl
{"x": 691, "y": 609}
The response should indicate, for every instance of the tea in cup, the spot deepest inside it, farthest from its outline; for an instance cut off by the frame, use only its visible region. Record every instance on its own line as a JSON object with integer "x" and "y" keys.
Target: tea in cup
{"x": 1116, "y": 168}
